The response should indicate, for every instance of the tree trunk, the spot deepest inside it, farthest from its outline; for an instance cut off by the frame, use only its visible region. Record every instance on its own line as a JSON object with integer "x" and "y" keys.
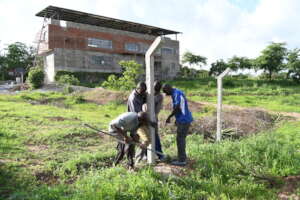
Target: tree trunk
{"x": 270, "y": 75}
{"x": 288, "y": 74}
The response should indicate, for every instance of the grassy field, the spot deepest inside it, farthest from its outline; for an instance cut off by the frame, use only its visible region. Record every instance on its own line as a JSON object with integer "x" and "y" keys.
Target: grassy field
{"x": 47, "y": 153}
{"x": 277, "y": 95}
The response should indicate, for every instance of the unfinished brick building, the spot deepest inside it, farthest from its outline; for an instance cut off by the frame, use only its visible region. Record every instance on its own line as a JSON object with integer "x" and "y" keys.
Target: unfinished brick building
{"x": 76, "y": 41}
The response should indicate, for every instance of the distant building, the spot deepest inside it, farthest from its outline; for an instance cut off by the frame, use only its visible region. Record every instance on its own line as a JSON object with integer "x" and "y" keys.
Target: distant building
{"x": 76, "y": 41}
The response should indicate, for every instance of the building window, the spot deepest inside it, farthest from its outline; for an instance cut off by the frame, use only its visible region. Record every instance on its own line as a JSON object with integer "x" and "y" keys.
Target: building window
{"x": 158, "y": 52}
{"x": 101, "y": 60}
{"x": 144, "y": 48}
{"x": 63, "y": 23}
{"x": 173, "y": 67}
{"x": 167, "y": 51}
{"x": 99, "y": 43}
{"x": 132, "y": 47}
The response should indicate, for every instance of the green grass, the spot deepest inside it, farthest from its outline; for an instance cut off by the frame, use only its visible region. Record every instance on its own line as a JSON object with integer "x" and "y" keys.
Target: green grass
{"x": 46, "y": 153}
{"x": 276, "y": 95}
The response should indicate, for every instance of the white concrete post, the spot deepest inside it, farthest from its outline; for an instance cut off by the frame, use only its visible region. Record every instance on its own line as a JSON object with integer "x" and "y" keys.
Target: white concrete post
{"x": 219, "y": 106}
{"x": 150, "y": 99}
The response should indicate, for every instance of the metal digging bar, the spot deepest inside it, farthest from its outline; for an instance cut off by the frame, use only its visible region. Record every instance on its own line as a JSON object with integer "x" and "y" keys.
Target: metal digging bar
{"x": 121, "y": 141}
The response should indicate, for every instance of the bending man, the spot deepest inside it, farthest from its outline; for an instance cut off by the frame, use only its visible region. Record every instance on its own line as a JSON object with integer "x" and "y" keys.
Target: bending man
{"x": 124, "y": 123}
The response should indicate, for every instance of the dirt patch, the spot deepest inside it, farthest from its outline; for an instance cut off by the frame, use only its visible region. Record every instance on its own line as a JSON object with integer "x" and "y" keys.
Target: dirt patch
{"x": 4, "y": 161}
{"x": 58, "y": 102}
{"x": 19, "y": 87}
{"x": 292, "y": 115}
{"x": 58, "y": 118}
{"x": 46, "y": 177}
{"x": 103, "y": 96}
{"x": 37, "y": 148}
{"x": 168, "y": 169}
{"x": 81, "y": 135}
{"x": 236, "y": 123}
{"x": 291, "y": 183}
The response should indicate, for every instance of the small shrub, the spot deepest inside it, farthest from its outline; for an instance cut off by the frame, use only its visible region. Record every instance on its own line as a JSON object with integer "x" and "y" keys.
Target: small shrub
{"x": 228, "y": 83}
{"x": 211, "y": 84}
{"x": 36, "y": 77}
{"x": 131, "y": 74}
{"x": 75, "y": 99}
{"x": 68, "y": 89}
{"x": 112, "y": 82}
{"x": 68, "y": 79}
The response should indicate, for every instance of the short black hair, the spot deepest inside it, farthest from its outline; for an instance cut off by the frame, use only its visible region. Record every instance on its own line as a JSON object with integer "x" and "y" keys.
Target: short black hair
{"x": 157, "y": 86}
{"x": 141, "y": 85}
{"x": 143, "y": 116}
{"x": 167, "y": 86}
{"x": 167, "y": 89}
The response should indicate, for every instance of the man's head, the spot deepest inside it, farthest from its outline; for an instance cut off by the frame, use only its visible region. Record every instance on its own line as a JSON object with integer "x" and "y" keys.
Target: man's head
{"x": 157, "y": 86}
{"x": 167, "y": 89}
{"x": 143, "y": 117}
{"x": 141, "y": 88}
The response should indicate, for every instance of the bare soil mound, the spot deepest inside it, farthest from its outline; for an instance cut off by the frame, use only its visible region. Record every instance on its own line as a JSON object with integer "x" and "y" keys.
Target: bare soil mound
{"x": 236, "y": 123}
{"x": 103, "y": 96}
{"x": 291, "y": 183}
{"x": 19, "y": 87}
{"x": 168, "y": 169}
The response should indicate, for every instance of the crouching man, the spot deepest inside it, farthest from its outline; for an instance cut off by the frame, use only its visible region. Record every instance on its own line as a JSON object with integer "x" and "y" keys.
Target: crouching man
{"x": 144, "y": 140}
{"x": 124, "y": 123}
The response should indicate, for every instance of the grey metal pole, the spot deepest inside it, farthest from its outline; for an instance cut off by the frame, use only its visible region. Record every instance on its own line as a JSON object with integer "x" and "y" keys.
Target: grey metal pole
{"x": 219, "y": 106}
{"x": 150, "y": 99}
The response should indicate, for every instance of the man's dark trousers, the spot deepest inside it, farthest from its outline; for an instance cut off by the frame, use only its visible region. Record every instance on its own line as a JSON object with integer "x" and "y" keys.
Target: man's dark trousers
{"x": 128, "y": 149}
{"x": 182, "y": 131}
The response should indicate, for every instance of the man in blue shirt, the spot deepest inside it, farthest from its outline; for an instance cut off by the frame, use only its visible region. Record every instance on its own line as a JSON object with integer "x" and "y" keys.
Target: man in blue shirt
{"x": 183, "y": 120}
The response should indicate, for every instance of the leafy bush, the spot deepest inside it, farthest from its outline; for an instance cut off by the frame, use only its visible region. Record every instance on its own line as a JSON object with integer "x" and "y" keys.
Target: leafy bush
{"x": 68, "y": 89}
{"x": 212, "y": 84}
{"x": 132, "y": 72}
{"x": 74, "y": 99}
{"x": 68, "y": 79}
{"x": 36, "y": 77}
{"x": 228, "y": 83}
{"x": 87, "y": 79}
{"x": 241, "y": 76}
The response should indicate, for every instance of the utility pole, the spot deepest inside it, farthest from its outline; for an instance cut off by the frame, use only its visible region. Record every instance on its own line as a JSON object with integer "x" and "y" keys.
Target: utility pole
{"x": 149, "y": 57}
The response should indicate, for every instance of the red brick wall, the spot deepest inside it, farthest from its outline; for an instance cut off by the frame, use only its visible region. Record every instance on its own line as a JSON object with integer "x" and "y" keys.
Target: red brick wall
{"x": 74, "y": 38}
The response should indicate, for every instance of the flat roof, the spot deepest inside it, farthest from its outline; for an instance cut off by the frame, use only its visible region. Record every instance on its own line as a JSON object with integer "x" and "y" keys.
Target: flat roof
{"x": 97, "y": 20}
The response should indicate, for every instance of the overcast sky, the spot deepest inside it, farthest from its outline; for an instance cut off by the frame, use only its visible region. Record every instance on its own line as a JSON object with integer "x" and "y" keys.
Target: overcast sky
{"x": 217, "y": 29}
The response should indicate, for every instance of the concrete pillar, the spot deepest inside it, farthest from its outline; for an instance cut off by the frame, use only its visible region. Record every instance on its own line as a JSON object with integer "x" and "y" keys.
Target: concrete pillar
{"x": 150, "y": 99}
{"x": 219, "y": 106}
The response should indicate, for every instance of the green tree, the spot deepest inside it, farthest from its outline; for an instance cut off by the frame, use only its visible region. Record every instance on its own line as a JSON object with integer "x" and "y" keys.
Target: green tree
{"x": 235, "y": 63}
{"x": 218, "y": 67}
{"x": 131, "y": 74}
{"x": 193, "y": 60}
{"x": 293, "y": 64}
{"x": 271, "y": 58}
{"x": 2, "y": 68}
{"x": 19, "y": 55}
{"x": 186, "y": 72}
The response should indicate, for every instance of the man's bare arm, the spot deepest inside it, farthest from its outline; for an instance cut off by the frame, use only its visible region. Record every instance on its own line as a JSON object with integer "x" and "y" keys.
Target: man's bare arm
{"x": 174, "y": 112}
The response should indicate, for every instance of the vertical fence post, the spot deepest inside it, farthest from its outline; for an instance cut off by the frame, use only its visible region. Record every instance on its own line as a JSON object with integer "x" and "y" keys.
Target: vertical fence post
{"x": 150, "y": 98}
{"x": 219, "y": 106}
